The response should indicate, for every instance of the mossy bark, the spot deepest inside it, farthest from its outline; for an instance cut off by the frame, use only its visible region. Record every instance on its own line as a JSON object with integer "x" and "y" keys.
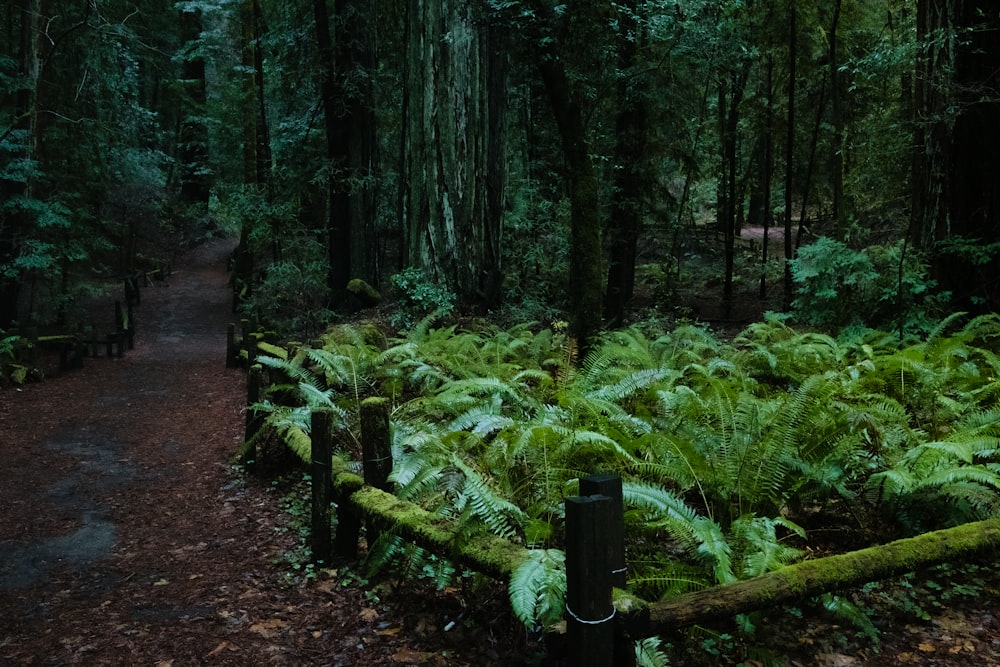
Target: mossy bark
{"x": 823, "y": 575}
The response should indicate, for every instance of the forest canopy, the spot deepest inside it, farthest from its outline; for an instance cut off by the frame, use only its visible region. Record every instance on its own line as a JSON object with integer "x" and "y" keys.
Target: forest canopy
{"x": 528, "y": 159}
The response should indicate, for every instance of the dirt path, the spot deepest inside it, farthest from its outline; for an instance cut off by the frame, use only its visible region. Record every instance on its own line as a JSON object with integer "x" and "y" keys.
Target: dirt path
{"x": 125, "y": 538}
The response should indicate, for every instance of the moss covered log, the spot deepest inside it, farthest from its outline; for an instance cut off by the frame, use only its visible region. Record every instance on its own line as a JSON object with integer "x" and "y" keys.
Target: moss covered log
{"x": 813, "y": 577}
{"x": 487, "y": 554}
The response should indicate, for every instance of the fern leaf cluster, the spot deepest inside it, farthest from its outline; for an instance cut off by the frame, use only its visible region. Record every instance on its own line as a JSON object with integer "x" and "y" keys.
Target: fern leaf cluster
{"x": 724, "y": 447}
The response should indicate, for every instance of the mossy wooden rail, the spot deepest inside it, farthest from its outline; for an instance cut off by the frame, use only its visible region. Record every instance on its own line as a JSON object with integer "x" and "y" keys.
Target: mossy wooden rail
{"x": 596, "y": 582}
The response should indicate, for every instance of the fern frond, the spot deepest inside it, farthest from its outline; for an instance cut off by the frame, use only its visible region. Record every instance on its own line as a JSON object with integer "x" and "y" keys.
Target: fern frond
{"x": 537, "y": 588}
{"x": 649, "y": 654}
{"x": 850, "y": 612}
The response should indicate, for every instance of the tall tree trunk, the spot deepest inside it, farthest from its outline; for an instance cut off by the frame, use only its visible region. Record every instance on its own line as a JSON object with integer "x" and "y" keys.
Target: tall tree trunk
{"x": 956, "y": 203}
{"x": 956, "y": 207}
{"x": 585, "y": 280}
{"x": 731, "y": 197}
{"x": 192, "y": 135}
{"x": 454, "y": 98}
{"x": 766, "y": 176}
{"x": 357, "y": 66}
{"x": 338, "y": 218}
{"x": 836, "y": 104}
{"x": 631, "y": 133}
{"x": 790, "y": 149}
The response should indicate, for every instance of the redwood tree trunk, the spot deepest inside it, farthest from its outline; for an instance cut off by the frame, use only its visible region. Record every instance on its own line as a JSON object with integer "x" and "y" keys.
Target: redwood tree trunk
{"x": 338, "y": 228}
{"x": 453, "y": 127}
{"x": 192, "y": 135}
{"x": 956, "y": 201}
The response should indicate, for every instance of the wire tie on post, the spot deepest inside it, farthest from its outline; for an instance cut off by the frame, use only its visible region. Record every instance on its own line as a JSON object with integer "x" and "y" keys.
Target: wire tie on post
{"x": 621, "y": 570}
{"x": 585, "y": 622}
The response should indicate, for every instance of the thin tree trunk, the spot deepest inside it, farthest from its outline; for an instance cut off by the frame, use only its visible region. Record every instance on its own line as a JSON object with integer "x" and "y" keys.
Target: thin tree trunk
{"x": 629, "y": 176}
{"x": 790, "y": 149}
{"x": 836, "y": 104}
{"x": 192, "y": 135}
{"x": 768, "y": 167}
{"x": 338, "y": 228}
{"x": 730, "y": 117}
{"x": 585, "y": 234}
{"x": 13, "y": 222}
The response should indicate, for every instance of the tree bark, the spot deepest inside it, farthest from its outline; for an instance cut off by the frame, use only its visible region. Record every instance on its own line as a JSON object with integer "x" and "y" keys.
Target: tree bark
{"x": 956, "y": 181}
{"x": 22, "y": 131}
{"x": 836, "y": 104}
{"x": 586, "y": 252}
{"x": 338, "y": 211}
{"x": 453, "y": 126}
{"x": 192, "y": 134}
{"x": 790, "y": 150}
{"x": 631, "y": 130}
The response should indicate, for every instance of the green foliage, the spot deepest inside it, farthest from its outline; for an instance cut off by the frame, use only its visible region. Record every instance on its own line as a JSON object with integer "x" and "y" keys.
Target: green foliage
{"x": 9, "y": 368}
{"x": 421, "y": 296}
{"x": 648, "y": 653}
{"x": 876, "y": 286}
{"x": 726, "y": 449}
{"x": 293, "y": 293}
{"x": 538, "y": 588}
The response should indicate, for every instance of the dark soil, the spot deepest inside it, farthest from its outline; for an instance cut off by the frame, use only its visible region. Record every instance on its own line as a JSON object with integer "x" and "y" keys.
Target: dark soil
{"x": 128, "y": 538}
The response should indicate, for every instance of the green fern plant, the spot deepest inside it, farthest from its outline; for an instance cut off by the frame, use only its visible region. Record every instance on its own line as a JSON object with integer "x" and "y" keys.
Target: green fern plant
{"x": 537, "y": 588}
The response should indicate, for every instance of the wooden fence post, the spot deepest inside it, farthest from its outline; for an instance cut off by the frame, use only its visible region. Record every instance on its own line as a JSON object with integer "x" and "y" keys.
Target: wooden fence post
{"x": 376, "y": 449}
{"x": 376, "y": 445}
{"x": 130, "y": 328}
{"x": 590, "y": 623}
{"x": 322, "y": 464}
{"x": 345, "y": 541}
{"x": 121, "y": 326}
{"x": 252, "y": 419}
{"x": 232, "y": 352}
{"x": 611, "y": 486}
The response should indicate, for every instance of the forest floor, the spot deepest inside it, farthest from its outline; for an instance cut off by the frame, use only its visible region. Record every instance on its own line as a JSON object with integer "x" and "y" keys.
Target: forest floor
{"x": 127, "y": 537}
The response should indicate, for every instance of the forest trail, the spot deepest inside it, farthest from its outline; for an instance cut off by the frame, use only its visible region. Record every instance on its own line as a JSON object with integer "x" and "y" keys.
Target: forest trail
{"x": 126, "y": 539}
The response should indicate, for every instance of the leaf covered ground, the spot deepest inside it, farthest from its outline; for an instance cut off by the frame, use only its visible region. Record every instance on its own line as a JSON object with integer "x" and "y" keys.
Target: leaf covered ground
{"x": 127, "y": 538}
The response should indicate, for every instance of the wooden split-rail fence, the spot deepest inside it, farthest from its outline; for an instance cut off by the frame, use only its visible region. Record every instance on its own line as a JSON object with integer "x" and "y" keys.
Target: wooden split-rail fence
{"x": 90, "y": 340}
{"x": 602, "y": 619}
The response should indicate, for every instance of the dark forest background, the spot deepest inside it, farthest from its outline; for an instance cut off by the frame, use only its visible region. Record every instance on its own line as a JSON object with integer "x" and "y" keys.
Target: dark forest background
{"x": 525, "y": 159}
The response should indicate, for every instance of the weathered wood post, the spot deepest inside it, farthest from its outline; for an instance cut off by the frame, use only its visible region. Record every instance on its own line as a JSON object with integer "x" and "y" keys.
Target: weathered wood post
{"x": 252, "y": 418}
{"x": 345, "y": 541}
{"x": 590, "y": 613}
{"x": 376, "y": 444}
{"x": 611, "y": 486}
{"x": 121, "y": 326}
{"x": 322, "y": 487}
{"x": 376, "y": 449}
{"x": 130, "y": 327}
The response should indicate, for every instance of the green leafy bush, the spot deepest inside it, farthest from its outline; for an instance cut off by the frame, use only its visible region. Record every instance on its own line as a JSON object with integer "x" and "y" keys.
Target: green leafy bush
{"x": 420, "y": 296}
{"x": 880, "y": 286}
{"x": 293, "y": 292}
